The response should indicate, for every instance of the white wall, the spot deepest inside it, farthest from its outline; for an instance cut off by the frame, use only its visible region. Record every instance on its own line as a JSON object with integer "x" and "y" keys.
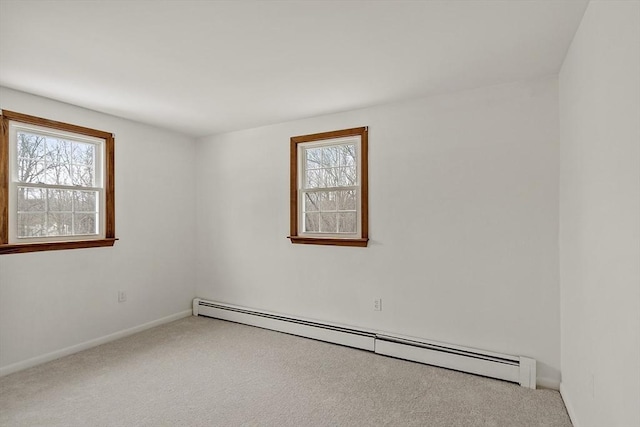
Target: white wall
{"x": 463, "y": 222}
{"x": 50, "y": 301}
{"x": 600, "y": 217}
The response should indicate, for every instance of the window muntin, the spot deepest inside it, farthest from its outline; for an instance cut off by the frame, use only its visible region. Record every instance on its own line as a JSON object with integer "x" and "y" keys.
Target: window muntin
{"x": 329, "y": 188}
{"x": 56, "y": 185}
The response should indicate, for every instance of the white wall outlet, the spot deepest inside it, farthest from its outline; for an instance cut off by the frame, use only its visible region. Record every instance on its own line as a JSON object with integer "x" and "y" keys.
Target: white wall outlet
{"x": 377, "y": 304}
{"x": 122, "y": 296}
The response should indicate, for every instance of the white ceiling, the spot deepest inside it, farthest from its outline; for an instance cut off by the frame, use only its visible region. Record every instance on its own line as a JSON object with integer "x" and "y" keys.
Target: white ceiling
{"x": 204, "y": 67}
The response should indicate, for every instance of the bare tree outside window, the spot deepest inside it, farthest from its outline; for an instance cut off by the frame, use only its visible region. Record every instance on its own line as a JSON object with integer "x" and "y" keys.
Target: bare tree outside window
{"x": 330, "y": 168}
{"x": 43, "y": 159}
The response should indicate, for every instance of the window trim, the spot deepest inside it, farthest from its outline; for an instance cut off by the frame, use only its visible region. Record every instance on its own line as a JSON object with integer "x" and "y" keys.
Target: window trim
{"x": 294, "y": 221}
{"x": 108, "y": 185}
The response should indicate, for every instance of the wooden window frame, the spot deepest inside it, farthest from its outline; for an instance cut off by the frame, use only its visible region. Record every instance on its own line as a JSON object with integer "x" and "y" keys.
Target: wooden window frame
{"x": 109, "y": 186}
{"x": 295, "y": 236}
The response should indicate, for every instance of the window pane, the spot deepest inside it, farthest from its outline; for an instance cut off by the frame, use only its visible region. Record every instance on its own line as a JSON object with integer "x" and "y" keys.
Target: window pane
{"x": 330, "y": 156}
{"x": 58, "y": 162}
{"x": 347, "y": 155}
{"x": 328, "y": 223}
{"x": 57, "y": 174}
{"x": 314, "y": 158}
{"x": 30, "y": 146}
{"x": 311, "y": 202}
{"x": 82, "y": 176}
{"x": 60, "y": 200}
{"x": 31, "y": 199}
{"x": 311, "y": 222}
{"x": 347, "y": 200}
{"x": 85, "y": 224}
{"x": 85, "y": 201}
{"x": 31, "y": 224}
{"x": 331, "y": 177}
{"x": 328, "y": 200}
{"x": 83, "y": 169}
{"x": 31, "y": 170}
{"x": 83, "y": 154}
{"x": 315, "y": 178}
{"x": 59, "y": 224}
{"x": 347, "y": 222}
{"x": 348, "y": 176}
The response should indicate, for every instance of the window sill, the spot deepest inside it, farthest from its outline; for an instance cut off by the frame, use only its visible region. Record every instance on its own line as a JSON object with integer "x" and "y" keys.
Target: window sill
{"x": 329, "y": 241}
{"x": 54, "y": 246}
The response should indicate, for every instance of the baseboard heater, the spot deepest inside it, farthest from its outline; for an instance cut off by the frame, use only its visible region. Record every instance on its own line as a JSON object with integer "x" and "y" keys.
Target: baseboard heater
{"x": 517, "y": 369}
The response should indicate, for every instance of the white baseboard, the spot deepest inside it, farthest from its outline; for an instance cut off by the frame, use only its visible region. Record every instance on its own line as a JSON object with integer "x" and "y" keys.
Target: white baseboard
{"x": 19, "y": 366}
{"x": 568, "y": 405}
{"x": 548, "y": 383}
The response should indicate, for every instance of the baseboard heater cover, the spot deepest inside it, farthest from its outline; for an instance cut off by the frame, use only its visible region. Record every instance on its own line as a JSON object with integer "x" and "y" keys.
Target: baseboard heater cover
{"x": 306, "y": 328}
{"x": 517, "y": 369}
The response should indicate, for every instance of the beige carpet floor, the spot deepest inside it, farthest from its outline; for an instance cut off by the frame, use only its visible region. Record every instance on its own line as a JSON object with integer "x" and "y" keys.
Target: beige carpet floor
{"x": 205, "y": 372}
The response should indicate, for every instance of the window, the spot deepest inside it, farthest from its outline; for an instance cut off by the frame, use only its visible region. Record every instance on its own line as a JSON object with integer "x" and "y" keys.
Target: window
{"x": 329, "y": 190}
{"x": 56, "y": 185}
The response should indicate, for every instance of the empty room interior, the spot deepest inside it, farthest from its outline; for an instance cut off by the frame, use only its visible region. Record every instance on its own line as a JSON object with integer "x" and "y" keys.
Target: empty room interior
{"x": 292, "y": 213}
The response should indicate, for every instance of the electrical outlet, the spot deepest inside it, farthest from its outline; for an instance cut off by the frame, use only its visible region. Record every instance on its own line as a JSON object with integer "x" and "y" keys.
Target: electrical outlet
{"x": 377, "y": 304}
{"x": 122, "y": 296}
